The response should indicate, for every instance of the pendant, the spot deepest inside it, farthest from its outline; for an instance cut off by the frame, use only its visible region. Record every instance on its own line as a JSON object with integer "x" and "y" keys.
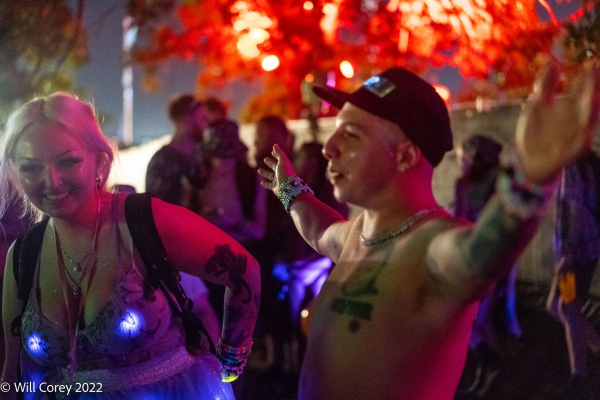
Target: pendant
{"x": 77, "y": 291}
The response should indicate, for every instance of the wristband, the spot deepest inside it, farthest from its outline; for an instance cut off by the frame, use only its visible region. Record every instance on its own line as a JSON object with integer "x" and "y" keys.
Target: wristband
{"x": 291, "y": 188}
{"x": 519, "y": 196}
{"x": 233, "y": 359}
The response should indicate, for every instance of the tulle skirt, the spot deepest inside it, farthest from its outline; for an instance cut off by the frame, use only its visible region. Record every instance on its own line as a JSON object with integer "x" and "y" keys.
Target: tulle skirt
{"x": 175, "y": 375}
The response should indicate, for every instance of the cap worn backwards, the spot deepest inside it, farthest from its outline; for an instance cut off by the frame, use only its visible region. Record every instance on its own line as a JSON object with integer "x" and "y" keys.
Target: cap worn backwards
{"x": 400, "y": 96}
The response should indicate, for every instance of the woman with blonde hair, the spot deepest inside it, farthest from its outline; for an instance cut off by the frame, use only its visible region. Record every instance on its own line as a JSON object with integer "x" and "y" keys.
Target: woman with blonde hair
{"x": 95, "y": 314}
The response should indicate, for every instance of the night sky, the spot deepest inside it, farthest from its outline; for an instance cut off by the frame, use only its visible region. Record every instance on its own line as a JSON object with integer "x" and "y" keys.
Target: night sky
{"x": 102, "y": 76}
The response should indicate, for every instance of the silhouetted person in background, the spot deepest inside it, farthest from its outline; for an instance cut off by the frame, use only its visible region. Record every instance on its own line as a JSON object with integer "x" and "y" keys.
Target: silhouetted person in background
{"x": 276, "y": 248}
{"x": 479, "y": 159}
{"x": 577, "y": 249}
{"x": 173, "y": 172}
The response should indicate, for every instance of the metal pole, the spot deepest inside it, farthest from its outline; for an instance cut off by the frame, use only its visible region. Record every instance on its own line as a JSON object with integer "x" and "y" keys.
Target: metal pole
{"x": 129, "y": 38}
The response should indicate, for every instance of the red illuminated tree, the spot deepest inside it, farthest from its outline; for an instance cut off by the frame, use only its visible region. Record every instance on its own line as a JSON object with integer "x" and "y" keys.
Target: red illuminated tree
{"x": 483, "y": 38}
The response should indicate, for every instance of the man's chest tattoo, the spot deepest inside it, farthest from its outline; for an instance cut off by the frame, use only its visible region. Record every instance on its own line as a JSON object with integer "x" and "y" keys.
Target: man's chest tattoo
{"x": 361, "y": 282}
{"x": 352, "y": 308}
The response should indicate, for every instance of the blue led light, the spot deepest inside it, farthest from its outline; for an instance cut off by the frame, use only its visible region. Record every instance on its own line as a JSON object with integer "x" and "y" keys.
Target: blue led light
{"x": 36, "y": 345}
{"x": 131, "y": 324}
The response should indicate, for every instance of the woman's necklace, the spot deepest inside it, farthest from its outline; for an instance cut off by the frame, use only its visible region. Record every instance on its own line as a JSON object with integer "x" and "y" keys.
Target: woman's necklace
{"x": 78, "y": 265}
{"x": 397, "y": 231}
{"x": 74, "y": 283}
{"x": 76, "y": 294}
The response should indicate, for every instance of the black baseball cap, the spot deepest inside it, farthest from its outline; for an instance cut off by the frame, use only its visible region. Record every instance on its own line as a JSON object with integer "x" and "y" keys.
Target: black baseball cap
{"x": 400, "y": 96}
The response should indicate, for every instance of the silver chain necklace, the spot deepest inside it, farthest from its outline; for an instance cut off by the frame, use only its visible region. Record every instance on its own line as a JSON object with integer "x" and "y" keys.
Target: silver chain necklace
{"x": 406, "y": 225}
{"x": 78, "y": 265}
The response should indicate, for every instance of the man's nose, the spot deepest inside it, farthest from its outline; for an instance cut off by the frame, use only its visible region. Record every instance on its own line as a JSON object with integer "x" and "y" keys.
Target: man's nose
{"x": 331, "y": 149}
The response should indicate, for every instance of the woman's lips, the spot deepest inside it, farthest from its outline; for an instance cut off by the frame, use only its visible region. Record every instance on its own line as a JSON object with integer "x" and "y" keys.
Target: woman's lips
{"x": 56, "y": 196}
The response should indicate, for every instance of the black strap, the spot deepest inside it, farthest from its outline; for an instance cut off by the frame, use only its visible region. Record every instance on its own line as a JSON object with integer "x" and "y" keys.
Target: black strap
{"x": 140, "y": 221}
{"x": 25, "y": 254}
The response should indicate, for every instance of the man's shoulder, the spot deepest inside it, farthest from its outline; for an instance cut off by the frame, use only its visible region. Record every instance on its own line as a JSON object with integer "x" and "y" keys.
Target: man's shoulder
{"x": 166, "y": 151}
{"x": 170, "y": 155}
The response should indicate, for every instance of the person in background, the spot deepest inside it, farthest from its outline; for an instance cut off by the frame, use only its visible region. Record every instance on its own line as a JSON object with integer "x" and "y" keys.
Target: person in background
{"x": 215, "y": 109}
{"x": 174, "y": 171}
{"x": 577, "y": 250}
{"x": 479, "y": 159}
{"x": 230, "y": 198}
{"x": 94, "y": 315}
{"x": 276, "y": 248}
{"x": 393, "y": 320}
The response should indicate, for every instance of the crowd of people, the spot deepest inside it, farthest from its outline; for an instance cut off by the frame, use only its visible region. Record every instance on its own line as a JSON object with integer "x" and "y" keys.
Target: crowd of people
{"x": 398, "y": 291}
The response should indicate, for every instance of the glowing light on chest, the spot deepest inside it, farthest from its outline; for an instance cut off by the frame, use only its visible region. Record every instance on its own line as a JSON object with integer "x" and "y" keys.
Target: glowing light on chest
{"x": 36, "y": 345}
{"x": 131, "y": 324}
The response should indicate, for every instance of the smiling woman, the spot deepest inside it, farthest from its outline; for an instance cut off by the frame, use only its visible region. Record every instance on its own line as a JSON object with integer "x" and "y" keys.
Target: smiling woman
{"x": 95, "y": 314}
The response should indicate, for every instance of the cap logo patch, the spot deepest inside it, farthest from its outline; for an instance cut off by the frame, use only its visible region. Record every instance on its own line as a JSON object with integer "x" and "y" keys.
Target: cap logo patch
{"x": 379, "y": 86}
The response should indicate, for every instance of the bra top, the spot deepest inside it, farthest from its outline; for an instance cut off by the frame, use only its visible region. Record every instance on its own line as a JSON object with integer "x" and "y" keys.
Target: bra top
{"x": 135, "y": 325}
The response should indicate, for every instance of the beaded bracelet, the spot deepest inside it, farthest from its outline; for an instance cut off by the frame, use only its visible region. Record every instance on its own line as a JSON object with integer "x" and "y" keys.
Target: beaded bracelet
{"x": 519, "y": 196}
{"x": 233, "y": 359}
{"x": 291, "y": 188}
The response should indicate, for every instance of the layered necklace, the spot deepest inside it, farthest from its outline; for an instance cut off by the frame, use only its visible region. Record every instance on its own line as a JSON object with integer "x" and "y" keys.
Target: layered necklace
{"x": 77, "y": 265}
{"x": 400, "y": 229}
{"x": 82, "y": 267}
{"x": 75, "y": 290}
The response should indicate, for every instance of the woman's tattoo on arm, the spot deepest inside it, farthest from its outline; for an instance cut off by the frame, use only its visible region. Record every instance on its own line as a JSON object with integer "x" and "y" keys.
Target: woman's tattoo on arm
{"x": 225, "y": 261}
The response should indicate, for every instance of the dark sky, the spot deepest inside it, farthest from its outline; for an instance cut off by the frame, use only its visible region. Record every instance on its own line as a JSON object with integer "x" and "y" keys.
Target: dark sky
{"x": 102, "y": 76}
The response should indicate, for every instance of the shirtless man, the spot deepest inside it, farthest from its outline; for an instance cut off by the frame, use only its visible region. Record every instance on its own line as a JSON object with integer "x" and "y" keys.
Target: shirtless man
{"x": 393, "y": 319}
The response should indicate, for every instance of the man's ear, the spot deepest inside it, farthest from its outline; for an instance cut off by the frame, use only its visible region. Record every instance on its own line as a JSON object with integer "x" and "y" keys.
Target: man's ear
{"x": 408, "y": 155}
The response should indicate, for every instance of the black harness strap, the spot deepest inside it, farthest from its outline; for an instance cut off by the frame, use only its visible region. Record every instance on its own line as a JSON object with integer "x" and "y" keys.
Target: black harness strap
{"x": 25, "y": 255}
{"x": 140, "y": 221}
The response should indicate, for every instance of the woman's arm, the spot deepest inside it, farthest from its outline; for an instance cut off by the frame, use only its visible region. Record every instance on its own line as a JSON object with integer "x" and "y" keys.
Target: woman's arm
{"x": 196, "y": 247}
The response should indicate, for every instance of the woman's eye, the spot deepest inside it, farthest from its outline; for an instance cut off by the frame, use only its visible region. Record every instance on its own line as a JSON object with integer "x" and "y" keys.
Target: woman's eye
{"x": 69, "y": 162}
{"x": 30, "y": 168}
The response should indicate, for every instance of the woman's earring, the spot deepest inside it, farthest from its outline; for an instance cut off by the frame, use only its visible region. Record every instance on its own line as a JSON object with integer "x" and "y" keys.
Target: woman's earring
{"x": 98, "y": 182}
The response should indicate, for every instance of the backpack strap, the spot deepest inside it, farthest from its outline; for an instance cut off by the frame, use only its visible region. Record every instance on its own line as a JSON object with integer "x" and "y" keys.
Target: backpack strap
{"x": 140, "y": 221}
{"x": 25, "y": 255}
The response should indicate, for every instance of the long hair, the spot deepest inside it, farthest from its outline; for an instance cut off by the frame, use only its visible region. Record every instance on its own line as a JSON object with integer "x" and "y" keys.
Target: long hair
{"x": 79, "y": 120}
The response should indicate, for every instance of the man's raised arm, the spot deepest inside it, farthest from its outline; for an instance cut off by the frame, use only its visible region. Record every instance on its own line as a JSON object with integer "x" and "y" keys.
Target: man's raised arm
{"x": 552, "y": 132}
{"x": 323, "y": 228}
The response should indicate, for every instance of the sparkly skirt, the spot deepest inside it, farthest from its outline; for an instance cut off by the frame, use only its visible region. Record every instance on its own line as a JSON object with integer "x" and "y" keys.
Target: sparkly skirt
{"x": 174, "y": 375}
